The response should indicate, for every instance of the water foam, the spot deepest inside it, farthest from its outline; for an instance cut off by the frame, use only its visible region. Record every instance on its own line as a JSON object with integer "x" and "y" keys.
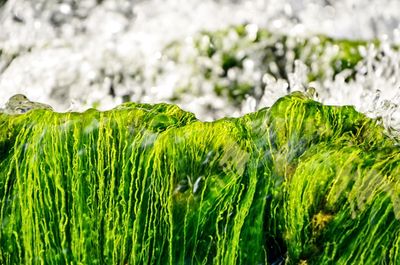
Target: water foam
{"x": 102, "y": 54}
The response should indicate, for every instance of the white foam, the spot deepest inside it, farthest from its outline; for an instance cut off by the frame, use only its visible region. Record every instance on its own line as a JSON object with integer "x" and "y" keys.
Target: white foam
{"x": 80, "y": 54}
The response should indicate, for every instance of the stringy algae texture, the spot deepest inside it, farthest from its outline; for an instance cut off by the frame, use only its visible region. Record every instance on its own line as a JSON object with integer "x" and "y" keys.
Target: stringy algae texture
{"x": 299, "y": 183}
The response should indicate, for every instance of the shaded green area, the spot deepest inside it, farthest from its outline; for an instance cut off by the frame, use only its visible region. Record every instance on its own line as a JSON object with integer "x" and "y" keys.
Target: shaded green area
{"x": 299, "y": 182}
{"x": 237, "y": 61}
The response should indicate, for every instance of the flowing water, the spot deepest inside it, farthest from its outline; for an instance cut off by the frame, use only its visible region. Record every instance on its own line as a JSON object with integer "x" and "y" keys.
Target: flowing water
{"x": 80, "y": 54}
{"x": 296, "y": 182}
{"x": 151, "y": 184}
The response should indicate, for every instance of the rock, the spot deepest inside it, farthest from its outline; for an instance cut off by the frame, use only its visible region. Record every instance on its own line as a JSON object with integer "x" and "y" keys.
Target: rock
{"x": 299, "y": 182}
{"x": 19, "y": 104}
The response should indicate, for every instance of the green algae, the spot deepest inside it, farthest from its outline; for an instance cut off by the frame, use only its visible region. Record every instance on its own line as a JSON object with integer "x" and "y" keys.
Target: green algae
{"x": 237, "y": 60}
{"x": 299, "y": 182}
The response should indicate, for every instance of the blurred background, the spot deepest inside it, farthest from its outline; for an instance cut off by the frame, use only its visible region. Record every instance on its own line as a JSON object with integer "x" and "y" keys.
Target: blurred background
{"x": 215, "y": 58}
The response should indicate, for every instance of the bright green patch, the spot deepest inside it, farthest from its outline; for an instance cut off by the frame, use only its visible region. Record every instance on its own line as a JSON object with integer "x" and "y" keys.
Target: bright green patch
{"x": 150, "y": 184}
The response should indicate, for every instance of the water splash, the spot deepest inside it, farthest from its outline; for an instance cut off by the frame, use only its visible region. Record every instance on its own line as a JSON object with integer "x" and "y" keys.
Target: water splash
{"x": 101, "y": 53}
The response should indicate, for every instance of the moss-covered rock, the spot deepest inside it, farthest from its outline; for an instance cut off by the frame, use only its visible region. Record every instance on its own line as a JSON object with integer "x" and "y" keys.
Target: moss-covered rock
{"x": 238, "y": 61}
{"x": 299, "y": 182}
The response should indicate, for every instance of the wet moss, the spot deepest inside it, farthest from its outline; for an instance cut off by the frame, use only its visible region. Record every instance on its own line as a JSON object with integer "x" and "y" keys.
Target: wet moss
{"x": 235, "y": 59}
{"x": 300, "y": 183}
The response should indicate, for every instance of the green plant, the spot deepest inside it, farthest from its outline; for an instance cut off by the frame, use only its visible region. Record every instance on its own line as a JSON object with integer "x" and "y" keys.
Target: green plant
{"x": 299, "y": 182}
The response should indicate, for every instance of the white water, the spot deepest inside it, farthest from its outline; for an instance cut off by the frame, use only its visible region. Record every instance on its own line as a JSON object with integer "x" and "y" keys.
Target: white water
{"x": 69, "y": 54}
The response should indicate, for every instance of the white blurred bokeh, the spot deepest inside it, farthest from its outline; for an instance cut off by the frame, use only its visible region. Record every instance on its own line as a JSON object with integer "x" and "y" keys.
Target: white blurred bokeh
{"x": 96, "y": 53}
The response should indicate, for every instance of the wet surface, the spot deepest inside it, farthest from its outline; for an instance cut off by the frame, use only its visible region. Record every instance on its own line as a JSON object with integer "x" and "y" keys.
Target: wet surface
{"x": 75, "y": 55}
